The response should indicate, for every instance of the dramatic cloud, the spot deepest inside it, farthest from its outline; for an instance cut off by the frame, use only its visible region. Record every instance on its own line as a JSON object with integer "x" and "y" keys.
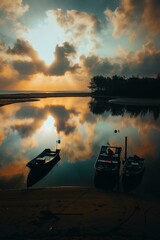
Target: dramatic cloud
{"x": 63, "y": 44}
{"x": 99, "y": 66}
{"x": 62, "y": 63}
{"x": 143, "y": 62}
{"x": 151, "y": 15}
{"x": 122, "y": 18}
{"x": 76, "y": 29}
{"x": 62, "y": 116}
{"x": 28, "y": 112}
{"x": 8, "y": 75}
{"x": 75, "y": 21}
{"x": 13, "y": 9}
{"x": 31, "y": 66}
{"x": 23, "y": 48}
{"x": 28, "y": 128}
{"x": 134, "y": 15}
{"x": 24, "y": 130}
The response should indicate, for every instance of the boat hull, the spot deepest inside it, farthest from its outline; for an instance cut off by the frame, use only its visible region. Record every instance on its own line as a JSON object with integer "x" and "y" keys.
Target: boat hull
{"x": 133, "y": 172}
{"x": 107, "y": 167}
{"x": 39, "y": 171}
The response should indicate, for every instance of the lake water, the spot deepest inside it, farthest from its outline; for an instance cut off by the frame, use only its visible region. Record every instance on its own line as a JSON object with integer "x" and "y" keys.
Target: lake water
{"x": 82, "y": 125}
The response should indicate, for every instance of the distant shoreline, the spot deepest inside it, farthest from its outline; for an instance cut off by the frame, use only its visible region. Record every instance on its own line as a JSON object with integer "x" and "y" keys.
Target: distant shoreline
{"x": 43, "y": 95}
{"x": 9, "y": 98}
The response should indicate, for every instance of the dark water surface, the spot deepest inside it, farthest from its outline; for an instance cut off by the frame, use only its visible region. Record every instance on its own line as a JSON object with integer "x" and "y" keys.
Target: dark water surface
{"x": 82, "y": 125}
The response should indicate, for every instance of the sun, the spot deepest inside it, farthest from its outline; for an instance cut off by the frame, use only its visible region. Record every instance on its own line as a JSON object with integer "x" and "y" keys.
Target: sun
{"x": 45, "y": 37}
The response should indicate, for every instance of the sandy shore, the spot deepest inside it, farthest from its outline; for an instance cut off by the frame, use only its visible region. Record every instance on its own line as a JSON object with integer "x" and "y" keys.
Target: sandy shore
{"x": 77, "y": 213}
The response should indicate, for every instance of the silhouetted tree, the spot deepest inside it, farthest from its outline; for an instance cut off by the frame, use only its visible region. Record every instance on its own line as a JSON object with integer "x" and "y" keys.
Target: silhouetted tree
{"x": 126, "y": 87}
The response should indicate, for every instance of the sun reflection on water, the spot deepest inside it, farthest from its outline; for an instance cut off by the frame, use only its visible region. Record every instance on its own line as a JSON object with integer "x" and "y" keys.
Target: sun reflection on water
{"x": 48, "y": 123}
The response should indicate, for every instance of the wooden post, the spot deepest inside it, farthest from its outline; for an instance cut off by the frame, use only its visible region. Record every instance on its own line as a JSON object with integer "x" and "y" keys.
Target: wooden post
{"x": 125, "y": 148}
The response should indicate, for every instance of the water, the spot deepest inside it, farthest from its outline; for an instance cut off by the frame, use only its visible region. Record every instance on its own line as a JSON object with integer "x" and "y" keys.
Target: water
{"x": 83, "y": 126}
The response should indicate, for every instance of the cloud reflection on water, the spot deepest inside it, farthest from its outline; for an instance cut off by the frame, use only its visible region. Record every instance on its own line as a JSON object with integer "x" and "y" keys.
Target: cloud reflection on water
{"x": 28, "y": 128}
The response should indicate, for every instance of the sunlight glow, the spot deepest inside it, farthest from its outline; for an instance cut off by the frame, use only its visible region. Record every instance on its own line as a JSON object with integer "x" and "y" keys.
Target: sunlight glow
{"x": 49, "y": 123}
{"x": 45, "y": 37}
{"x": 47, "y": 134}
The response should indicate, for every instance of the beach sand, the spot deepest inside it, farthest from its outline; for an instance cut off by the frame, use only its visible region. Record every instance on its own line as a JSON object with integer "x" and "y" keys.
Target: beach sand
{"x": 77, "y": 213}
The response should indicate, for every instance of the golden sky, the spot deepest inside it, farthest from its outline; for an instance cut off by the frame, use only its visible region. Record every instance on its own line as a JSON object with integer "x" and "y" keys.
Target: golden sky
{"x": 59, "y": 45}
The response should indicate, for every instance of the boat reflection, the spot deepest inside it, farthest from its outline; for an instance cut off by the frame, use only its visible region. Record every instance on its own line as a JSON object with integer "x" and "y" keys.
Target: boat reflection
{"x": 129, "y": 183}
{"x": 106, "y": 181}
{"x": 41, "y": 165}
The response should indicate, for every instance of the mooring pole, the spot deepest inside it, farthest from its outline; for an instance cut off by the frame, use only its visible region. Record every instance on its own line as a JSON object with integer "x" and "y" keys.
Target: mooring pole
{"x": 125, "y": 148}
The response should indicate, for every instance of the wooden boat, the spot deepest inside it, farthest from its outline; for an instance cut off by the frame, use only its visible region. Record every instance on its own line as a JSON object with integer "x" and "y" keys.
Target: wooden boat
{"x": 133, "y": 171}
{"x": 133, "y": 166}
{"x": 108, "y": 159}
{"x": 41, "y": 165}
{"x": 107, "y": 167}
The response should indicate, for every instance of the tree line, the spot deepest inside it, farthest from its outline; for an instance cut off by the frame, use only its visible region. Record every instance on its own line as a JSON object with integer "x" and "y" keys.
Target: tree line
{"x": 145, "y": 87}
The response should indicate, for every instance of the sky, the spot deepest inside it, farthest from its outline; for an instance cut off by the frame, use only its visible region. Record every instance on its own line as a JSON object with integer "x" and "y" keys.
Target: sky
{"x": 52, "y": 45}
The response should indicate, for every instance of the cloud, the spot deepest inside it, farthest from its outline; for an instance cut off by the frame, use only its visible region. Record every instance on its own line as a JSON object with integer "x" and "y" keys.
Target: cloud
{"x": 2, "y": 46}
{"x": 151, "y": 15}
{"x": 62, "y": 62}
{"x": 30, "y": 66}
{"x": 82, "y": 141}
{"x": 122, "y": 18}
{"x": 27, "y": 129}
{"x": 99, "y": 66}
{"x": 8, "y": 75}
{"x": 62, "y": 117}
{"x": 19, "y": 29}
{"x": 28, "y": 112}
{"x": 76, "y": 21}
{"x": 83, "y": 44}
{"x": 143, "y": 62}
{"x": 13, "y": 9}
{"x": 60, "y": 114}
{"x": 7, "y": 83}
{"x": 133, "y": 15}
{"x": 22, "y": 47}
{"x": 76, "y": 29}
